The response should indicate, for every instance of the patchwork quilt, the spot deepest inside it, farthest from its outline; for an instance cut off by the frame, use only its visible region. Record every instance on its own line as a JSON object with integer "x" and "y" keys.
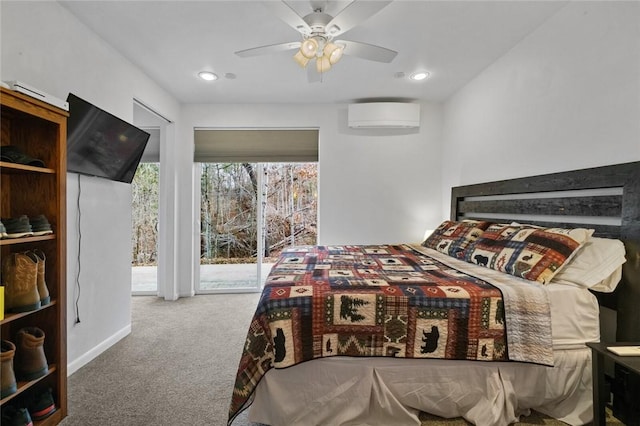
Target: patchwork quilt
{"x": 377, "y": 301}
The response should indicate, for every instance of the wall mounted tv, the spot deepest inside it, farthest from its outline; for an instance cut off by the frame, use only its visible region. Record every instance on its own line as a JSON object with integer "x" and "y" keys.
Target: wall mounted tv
{"x": 101, "y": 144}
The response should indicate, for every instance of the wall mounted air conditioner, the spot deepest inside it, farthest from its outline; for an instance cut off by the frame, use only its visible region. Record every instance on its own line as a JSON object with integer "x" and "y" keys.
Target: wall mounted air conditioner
{"x": 384, "y": 115}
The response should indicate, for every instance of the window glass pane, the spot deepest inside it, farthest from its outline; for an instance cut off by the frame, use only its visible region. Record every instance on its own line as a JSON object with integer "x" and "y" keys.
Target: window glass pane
{"x": 232, "y": 224}
{"x": 228, "y": 225}
{"x": 144, "y": 235}
{"x": 290, "y": 206}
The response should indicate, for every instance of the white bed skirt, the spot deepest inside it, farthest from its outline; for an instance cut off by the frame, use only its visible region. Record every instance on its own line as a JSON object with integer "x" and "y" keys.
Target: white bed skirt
{"x": 386, "y": 391}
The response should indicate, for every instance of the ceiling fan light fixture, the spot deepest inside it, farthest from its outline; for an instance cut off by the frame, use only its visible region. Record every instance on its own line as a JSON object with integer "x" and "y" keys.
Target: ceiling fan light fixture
{"x": 319, "y": 29}
{"x": 323, "y": 64}
{"x": 309, "y": 48}
{"x": 301, "y": 59}
{"x": 333, "y": 52}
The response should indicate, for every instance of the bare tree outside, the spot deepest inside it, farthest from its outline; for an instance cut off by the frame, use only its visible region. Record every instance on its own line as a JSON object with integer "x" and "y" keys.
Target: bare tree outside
{"x": 229, "y": 211}
{"x": 144, "y": 215}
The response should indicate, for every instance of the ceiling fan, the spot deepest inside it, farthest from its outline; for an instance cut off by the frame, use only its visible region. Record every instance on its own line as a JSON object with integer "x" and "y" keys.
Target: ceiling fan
{"x": 319, "y": 31}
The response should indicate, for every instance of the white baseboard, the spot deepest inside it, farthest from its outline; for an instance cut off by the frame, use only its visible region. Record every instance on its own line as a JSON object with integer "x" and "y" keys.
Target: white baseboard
{"x": 88, "y": 356}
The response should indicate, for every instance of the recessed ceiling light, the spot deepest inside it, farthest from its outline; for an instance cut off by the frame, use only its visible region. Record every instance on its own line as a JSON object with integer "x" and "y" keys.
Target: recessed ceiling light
{"x": 420, "y": 75}
{"x": 207, "y": 75}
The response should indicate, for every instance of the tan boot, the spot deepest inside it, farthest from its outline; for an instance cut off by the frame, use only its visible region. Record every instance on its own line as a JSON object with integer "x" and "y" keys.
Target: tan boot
{"x": 20, "y": 273}
{"x": 9, "y": 385}
{"x": 30, "y": 361}
{"x": 43, "y": 291}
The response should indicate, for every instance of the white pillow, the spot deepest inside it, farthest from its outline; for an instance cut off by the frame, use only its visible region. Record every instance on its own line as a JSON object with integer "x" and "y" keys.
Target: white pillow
{"x": 597, "y": 266}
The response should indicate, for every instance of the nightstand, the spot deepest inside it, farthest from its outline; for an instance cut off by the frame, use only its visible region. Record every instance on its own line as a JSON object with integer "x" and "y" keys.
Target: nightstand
{"x": 599, "y": 354}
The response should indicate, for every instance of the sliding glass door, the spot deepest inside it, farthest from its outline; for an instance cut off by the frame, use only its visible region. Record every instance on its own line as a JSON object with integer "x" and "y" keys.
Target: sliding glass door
{"x": 257, "y": 196}
{"x": 229, "y": 256}
{"x": 144, "y": 236}
{"x": 249, "y": 213}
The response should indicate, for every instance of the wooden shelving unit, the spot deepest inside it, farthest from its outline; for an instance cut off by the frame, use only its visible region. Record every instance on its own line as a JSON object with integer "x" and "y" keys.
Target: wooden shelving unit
{"x": 40, "y": 131}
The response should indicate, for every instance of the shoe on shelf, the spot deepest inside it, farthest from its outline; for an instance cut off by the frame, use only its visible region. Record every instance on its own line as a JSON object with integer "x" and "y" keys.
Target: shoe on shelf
{"x": 9, "y": 385}
{"x": 3, "y": 231}
{"x": 18, "y": 227}
{"x": 13, "y": 154}
{"x": 30, "y": 360}
{"x": 20, "y": 275}
{"x": 39, "y": 257}
{"x": 12, "y": 416}
{"x": 42, "y": 405}
{"x": 40, "y": 225}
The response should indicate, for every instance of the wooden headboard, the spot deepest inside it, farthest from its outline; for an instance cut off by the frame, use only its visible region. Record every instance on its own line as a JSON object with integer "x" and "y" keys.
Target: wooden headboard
{"x": 606, "y": 199}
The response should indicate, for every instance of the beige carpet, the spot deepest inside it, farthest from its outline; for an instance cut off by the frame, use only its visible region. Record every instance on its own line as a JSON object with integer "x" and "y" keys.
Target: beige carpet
{"x": 177, "y": 367}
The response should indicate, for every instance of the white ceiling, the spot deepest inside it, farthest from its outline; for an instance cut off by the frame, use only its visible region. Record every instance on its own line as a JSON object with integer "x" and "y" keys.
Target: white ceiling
{"x": 171, "y": 41}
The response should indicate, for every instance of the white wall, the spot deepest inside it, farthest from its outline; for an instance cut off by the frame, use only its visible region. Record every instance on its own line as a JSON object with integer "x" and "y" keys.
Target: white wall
{"x": 44, "y": 46}
{"x": 374, "y": 186}
{"x": 566, "y": 97}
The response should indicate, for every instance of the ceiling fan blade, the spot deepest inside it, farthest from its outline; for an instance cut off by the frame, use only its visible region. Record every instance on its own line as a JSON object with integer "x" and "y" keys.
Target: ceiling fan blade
{"x": 353, "y": 14}
{"x": 283, "y": 11}
{"x": 266, "y": 50}
{"x": 367, "y": 51}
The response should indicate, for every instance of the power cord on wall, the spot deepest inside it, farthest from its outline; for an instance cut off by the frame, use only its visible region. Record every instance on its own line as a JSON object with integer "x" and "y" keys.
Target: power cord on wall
{"x": 79, "y": 245}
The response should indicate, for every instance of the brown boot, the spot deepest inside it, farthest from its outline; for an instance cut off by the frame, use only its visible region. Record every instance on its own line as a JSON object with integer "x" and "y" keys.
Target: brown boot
{"x": 30, "y": 362}
{"x": 39, "y": 257}
{"x": 9, "y": 385}
{"x": 20, "y": 273}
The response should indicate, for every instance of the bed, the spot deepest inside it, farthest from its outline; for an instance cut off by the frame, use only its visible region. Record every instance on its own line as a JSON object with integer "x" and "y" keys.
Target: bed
{"x": 374, "y": 334}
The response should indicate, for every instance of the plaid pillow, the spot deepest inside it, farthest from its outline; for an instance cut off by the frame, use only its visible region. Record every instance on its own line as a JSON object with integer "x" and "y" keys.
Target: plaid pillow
{"x": 532, "y": 253}
{"x": 451, "y": 238}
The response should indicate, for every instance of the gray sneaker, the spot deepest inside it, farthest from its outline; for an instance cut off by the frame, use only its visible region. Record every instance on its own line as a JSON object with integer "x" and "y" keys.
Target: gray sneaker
{"x": 40, "y": 225}
{"x": 18, "y": 227}
{"x": 13, "y": 154}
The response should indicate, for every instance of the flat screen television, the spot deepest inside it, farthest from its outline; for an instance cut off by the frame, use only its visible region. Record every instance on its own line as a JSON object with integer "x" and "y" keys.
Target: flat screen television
{"x": 101, "y": 144}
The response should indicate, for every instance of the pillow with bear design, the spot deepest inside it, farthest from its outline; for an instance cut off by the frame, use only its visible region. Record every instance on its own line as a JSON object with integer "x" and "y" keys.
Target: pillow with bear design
{"x": 452, "y": 238}
{"x": 532, "y": 253}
